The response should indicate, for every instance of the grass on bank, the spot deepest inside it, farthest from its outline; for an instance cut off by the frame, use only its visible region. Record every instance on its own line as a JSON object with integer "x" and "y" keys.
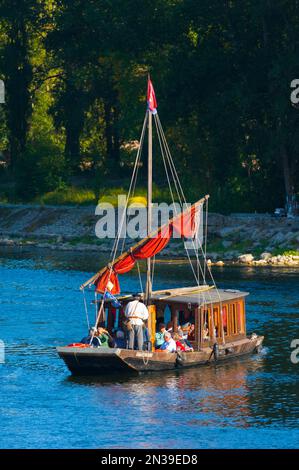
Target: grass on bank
{"x": 67, "y": 196}
{"x": 71, "y": 195}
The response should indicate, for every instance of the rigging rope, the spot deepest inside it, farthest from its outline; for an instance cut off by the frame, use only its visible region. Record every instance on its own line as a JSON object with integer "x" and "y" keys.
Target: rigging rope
{"x": 206, "y": 236}
{"x": 86, "y": 309}
{"x": 133, "y": 178}
{"x": 168, "y": 162}
{"x": 139, "y": 274}
{"x": 181, "y": 197}
{"x": 175, "y": 175}
{"x": 171, "y": 192}
{"x": 116, "y": 242}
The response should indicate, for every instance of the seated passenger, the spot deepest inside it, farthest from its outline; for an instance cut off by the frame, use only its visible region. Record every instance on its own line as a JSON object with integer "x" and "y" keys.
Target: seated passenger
{"x": 120, "y": 340}
{"x": 103, "y": 337}
{"x": 185, "y": 328}
{"x": 205, "y": 333}
{"x": 181, "y": 343}
{"x": 92, "y": 334}
{"x": 159, "y": 337}
{"x": 191, "y": 332}
{"x": 186, "y": 343}
{"x": 169, "y": 343}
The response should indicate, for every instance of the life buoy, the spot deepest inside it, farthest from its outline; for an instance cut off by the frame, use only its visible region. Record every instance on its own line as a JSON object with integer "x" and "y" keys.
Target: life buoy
{"x": 77, "y": 345}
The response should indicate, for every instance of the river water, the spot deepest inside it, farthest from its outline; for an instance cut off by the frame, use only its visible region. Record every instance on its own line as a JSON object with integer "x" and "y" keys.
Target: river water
{"x": 248, "y": 403}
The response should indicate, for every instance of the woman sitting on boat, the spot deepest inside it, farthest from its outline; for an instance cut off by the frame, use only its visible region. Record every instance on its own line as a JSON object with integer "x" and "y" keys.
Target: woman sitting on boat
{"x": 191, "y": 332}
{"x": 182, "y": 344}
{"x": 103, "y": 337}
{"x": 159, "y": 338}
{"x": 169, "y": 344}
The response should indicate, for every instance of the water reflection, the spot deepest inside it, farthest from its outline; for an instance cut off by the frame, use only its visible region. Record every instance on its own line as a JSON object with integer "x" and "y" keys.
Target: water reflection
{"x": 209, "y": 394}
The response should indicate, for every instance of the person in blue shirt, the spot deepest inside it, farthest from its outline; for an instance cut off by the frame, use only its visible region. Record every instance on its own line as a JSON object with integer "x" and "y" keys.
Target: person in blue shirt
{"x": 169, "y": 344}
{"x": 120, "y": 341}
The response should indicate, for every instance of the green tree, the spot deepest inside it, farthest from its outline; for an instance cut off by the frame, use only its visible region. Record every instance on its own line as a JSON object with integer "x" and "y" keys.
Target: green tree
{"x": 19, "y": 23}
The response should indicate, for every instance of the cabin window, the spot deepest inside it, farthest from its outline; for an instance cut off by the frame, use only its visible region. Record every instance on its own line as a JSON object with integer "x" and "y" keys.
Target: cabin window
{"x": 235, "y": 319}
{"x": 240, "y": 314}
{"x": 224, "y": 318}
{"x": 114, "y": 312}
{"x": 206, "y": 325}
{"x": 167, "y": 316}
{"x": 217, "y": 321}
{"x": 186, "y": 316}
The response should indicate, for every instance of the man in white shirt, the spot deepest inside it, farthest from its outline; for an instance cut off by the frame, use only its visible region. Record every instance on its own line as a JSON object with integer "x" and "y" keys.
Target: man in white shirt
{"x": 137, "y": 313}
{"x": 169, "y": 343}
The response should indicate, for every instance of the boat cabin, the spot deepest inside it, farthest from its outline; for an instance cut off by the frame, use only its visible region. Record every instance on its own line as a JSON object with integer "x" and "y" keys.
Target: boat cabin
{"x": 197, "y": 309}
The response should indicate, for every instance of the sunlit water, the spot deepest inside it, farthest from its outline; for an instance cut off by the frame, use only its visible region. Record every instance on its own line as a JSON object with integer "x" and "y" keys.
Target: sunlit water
{"x": 252, "y": 402}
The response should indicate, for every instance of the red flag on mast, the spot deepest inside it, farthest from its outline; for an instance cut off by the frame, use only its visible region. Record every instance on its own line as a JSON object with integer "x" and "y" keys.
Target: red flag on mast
{"x": 151, "y": 97}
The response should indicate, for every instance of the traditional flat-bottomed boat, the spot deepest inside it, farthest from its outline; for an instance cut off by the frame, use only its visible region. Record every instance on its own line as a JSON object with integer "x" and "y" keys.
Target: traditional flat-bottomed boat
{"x": 217, "y": 316}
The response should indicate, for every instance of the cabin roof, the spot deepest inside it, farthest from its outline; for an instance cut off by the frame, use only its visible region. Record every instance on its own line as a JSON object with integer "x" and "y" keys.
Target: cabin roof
{"x": 205, "y": 297}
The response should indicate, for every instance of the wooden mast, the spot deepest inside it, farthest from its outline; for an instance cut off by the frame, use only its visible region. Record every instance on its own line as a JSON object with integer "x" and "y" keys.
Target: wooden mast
{"x": 148, "y": 289}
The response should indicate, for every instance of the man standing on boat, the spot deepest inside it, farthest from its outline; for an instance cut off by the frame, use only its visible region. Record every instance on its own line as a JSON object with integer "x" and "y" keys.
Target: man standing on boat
{"x": 136, "y": 313}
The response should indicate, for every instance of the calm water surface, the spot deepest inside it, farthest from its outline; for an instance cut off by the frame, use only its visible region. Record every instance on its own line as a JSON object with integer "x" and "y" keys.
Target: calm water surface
{"x": 251, "y": 402}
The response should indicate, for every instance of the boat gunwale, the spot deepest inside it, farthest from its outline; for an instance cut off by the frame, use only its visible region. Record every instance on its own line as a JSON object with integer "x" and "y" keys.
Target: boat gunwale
{"x": 103, "y": 351}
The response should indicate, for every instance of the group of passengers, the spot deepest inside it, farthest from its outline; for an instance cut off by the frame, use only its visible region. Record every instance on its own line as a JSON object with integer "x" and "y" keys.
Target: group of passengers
{"x": 136, "y": 335}
{"x": 98, "y": 337}
{"x": 165, "y": 341}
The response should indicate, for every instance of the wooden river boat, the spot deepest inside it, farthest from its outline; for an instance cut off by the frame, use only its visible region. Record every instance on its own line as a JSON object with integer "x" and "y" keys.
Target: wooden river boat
{"x": 218, "y": 315}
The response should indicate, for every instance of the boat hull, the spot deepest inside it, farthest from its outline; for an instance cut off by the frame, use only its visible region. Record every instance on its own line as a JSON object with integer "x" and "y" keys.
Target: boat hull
{"x": 97, "y": 361}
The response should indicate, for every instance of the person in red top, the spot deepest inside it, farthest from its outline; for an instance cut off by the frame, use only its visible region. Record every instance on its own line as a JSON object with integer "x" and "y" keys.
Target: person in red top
{"x": 181, "y": 344}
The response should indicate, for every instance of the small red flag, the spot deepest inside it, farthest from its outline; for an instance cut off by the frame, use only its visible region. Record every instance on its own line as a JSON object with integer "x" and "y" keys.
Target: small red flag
{"x": 151, "y": 97}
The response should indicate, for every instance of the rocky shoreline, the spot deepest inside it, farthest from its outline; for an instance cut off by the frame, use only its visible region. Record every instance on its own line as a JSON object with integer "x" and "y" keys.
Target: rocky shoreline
{"x": 237, "y": 239}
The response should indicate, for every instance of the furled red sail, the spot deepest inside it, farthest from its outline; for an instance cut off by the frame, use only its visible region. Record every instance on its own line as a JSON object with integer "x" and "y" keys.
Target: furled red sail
{"x": 184, "y": 225}
{"x": 150, "y": 248}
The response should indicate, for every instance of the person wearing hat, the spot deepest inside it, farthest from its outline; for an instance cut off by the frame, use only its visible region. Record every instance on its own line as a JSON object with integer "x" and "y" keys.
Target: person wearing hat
{"x": 137, "y": 313}
{"x": 169, "y": 344}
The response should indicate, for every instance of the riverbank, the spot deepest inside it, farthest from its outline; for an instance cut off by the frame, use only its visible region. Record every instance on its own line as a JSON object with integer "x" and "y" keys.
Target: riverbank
{"x": 249, "y": 239}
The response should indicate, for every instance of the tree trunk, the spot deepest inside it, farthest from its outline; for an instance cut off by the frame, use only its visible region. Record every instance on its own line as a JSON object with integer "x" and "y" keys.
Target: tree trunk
{"x": 112, "y": 138}
{"x": 19, "y": 76}
{"x": 74, "y": 105}
{"x": 288, "y": 179}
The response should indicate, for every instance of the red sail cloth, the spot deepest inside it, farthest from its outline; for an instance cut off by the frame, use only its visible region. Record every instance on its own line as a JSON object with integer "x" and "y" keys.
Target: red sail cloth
{"x": 150, "y": 248}
{"x": 102, "y": 282}
{"x": 124, "y": 265}
{"x": 153, "y": 245}
{"x": 184, "y": 224}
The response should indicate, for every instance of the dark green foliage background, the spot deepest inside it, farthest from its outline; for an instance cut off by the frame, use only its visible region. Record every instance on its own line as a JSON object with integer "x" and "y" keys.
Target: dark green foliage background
{"x": 75, "y": 76}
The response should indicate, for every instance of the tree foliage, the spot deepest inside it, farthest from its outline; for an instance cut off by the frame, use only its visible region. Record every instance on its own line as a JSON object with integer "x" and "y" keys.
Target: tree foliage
{"x": 75, "y": 75}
